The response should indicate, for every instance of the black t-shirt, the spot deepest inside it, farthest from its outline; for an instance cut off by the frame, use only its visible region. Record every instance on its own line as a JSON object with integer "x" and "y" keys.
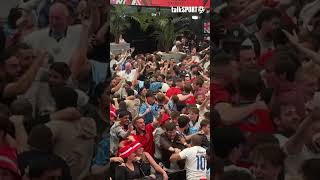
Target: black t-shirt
{"x": 124, "y": 173}
{"x": 25, "y": 158}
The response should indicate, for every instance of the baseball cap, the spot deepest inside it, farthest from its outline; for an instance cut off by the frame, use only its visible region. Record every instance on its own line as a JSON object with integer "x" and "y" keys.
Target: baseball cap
{"x": 127, "y": 150}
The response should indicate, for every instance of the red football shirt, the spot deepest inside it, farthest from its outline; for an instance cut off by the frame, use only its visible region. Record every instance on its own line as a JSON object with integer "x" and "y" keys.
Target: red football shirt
{"x": 258, "y": 122}
{"x": 218, "y": 94}
{"x": 173, "y": 91}
{"x": 190, "y": 101}
{"x": 147, "y": 140}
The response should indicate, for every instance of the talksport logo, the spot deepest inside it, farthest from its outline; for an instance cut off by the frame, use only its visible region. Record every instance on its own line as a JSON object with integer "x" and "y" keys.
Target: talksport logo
{"x": 188, "y": 9}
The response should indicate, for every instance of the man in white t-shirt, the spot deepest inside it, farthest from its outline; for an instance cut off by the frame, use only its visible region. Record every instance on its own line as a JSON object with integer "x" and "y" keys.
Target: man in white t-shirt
{"x": 196, "y": 159}
{"x": 129, "y": 73}
{"x": 176, "y": 48}
{"x": 60, "y": 39}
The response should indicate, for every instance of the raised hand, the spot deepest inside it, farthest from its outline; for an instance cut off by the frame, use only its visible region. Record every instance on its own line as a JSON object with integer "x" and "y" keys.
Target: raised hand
{"x": 17, "y": 119}
{"x": 293, "y": 38}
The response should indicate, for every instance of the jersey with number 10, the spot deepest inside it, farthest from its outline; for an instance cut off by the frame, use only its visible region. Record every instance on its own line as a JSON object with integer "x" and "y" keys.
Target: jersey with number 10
{"x": 196, "y": 162}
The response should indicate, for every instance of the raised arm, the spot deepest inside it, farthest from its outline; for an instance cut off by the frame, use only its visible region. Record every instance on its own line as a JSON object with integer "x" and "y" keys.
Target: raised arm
{"x": 205, "y": 103}
{"x": 29, "y": 4}
{"x": 231, "y": 115}
{"x": 294, "y": 40}
{"x": 296, "y": 142}
{"x": 80, "y": 66}
{"x": 66, "y": 114}
{"x": 184, "y": 97}
{"x": 156, "y": 166}
{"x": 175, "y": 157}
{"x": 118, "y": 86}
{"x": 124, "y": 134}
{"x": 23, "y": 83}
{"x": 94, "y": 16}
{"x": 204, "y": 76}
{"x": 136, "y": 77}
{"x": 20, "y": 133}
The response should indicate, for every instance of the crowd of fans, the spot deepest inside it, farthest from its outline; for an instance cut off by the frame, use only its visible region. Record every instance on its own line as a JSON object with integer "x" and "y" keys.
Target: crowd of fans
{"x": 53, "y": 89}
{"x": 159, "y": 114}
{"x": 265, "y": 90}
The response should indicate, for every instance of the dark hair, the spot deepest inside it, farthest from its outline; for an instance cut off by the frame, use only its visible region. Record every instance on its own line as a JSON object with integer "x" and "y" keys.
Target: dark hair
{"x": 188, "y": 88}
{"x": 136, "y": 119}
{"x": 250, "y": 84}
{"x": 130, "y": 92}
{"x": 169, "y": 78}
{"x": 193, "y": 66}
{"x": 204, "y": 123}
{"x": 149, "y": 94}
{"x": 41, "y": 138}
{"x": 225, "y": 139}
{"x": 194, "y": 110}
{"x": 170, "y": 126}
{"x": 122, "y": 114}
{"x": 162, "y": 76}
{"x": 196, "y": 140}
{"x": 199, "y": 82}
{"x": 174, "y": 114}
{"x": 311, "y": 169}
{"x": 183, "y": 121}
{"x": 283, "y": 64}
{"x": 235, "y": 175}
{"x": 266, "y": 15}
{"x": 61, "y": 68}
{"x": 14, "y": 15}
{"x": 178, "y": 79}
{"x": 64, "y": 97}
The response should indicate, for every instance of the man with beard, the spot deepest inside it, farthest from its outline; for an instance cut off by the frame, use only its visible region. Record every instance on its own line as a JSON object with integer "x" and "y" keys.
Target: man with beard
{"x": 268, "y": 22}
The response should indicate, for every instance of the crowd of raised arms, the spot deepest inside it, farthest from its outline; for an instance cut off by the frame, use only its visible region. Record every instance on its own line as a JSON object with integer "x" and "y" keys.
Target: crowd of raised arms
{"x": 159, "y": 113}
{"x": 265, "y": 90}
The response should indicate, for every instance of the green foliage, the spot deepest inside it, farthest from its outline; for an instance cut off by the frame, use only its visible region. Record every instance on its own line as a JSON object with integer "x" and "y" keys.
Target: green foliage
{"x": 165, "y": 29}
{"x": 119, "y": 22}
{"x": 166, "y": 32}
{"x": 144, "y": 20}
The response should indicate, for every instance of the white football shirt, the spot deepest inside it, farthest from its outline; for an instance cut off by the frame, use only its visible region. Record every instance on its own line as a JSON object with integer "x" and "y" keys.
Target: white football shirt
{"x": 196, "y": 162}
